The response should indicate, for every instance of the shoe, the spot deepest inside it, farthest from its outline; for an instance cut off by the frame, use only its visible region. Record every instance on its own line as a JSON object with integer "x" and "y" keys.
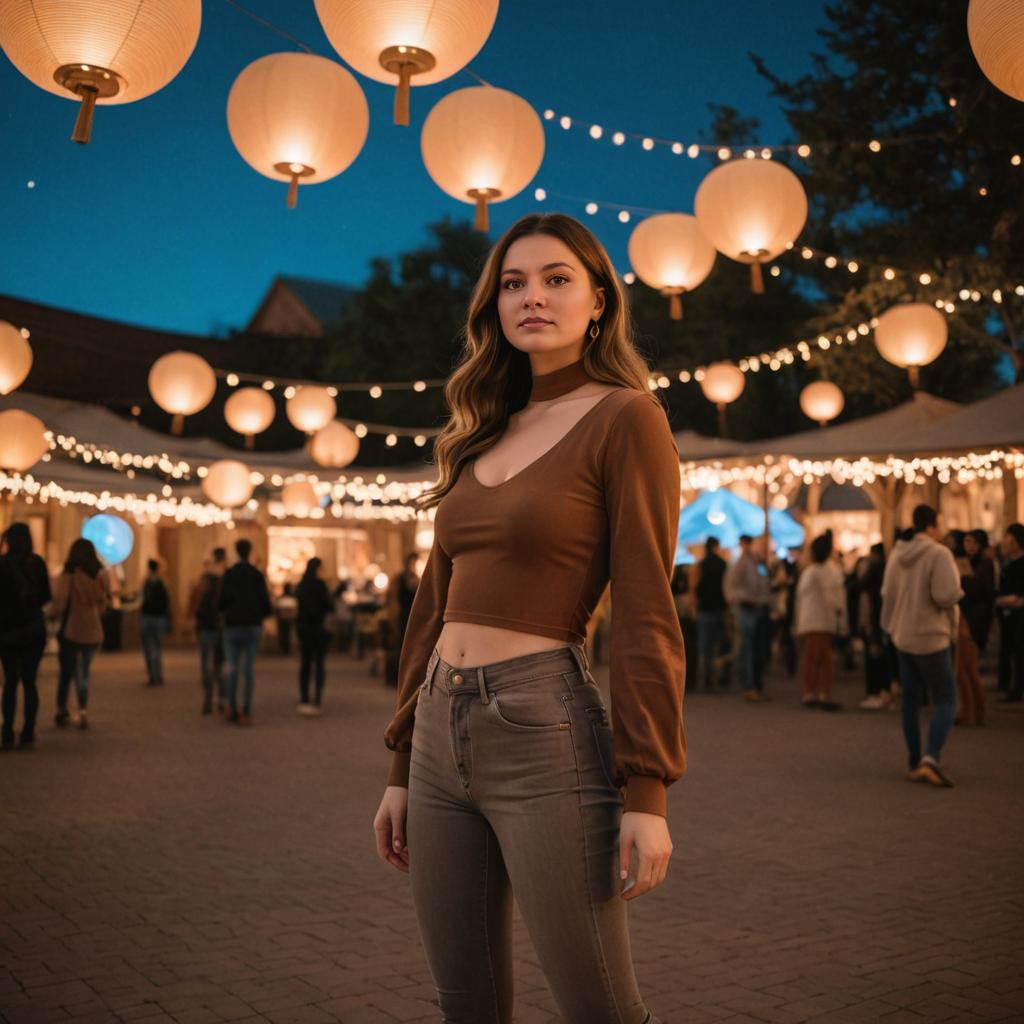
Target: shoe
{"x": 876, "y": 702}
{"x": 929, "y": 771}
{"x": 810, "y": 702}
{"x": 245, "y": 718}
{"x": 61, "y": 719}
{"x": 231, "y": 716}
{"x": 829, "y": 705}
{"x": 303, "y": 708}
{"x": 753, "y": 696}
{"x": 82, "y": 721}
{"x": 314, "y": 711}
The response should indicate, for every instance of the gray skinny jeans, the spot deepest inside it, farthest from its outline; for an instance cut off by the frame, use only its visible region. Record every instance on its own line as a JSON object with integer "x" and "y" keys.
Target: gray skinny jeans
{"x": 511, "y": 789}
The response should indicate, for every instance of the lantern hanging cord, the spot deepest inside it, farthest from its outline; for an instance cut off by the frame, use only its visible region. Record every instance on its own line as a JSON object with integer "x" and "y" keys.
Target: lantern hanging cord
{"x": 269, "y": 24}
{"x": 482, "y": 81}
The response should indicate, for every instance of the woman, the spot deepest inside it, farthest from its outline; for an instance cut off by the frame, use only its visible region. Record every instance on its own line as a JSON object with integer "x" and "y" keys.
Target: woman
{"x": 977, "y": 609}
{"x": 557, "y": 471}
{"x": 154, "y": 622}
{"x": 79, "y": 600}
{"x": 877, "y": 666}
{"x": 820, "y": 617}
{"x": 24, "y": 589}
{"x": 314, "y": 602}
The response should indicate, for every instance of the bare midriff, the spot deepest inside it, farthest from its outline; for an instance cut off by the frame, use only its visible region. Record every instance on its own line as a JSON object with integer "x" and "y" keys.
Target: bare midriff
{"x": 470, "y": 643}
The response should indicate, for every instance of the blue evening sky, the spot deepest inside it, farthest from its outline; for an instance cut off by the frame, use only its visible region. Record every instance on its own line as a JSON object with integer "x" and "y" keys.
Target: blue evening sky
{"x": 158, "y": 221}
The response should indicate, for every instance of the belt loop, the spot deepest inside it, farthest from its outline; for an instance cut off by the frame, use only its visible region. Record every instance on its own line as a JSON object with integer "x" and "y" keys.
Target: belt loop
{"x": 579, "y": 655}
{"x": 431, "y": 668}
{"x": 484, "y": 698}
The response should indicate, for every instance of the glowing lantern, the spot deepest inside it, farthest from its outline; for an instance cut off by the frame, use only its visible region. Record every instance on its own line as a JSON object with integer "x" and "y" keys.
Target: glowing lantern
{"x": 669, "y": 252}
{"x": 723, "y": 383}
{"x": 425, "y": 40}
{"x": 751, "y": 210}
{"x": 482, "y": 145}
{"x": 912, "y": 335}
{"x": 99, "y": 51}
{"x": 311, "y": 408}
{"x": 249, "y": 411}
{"x": 111, "y": 536}
{"x": 181, "y": 383}
{"x": 15, "y": 358}
{"x": 297, "y": 117}
{"x": 227, "y": 483}
{"x": 334, "y": 445}
{"x": 996, "y": 31}
{"x": 822, "y": 401}
{"x": 299, "y": 498}
{"x": 22, "y": 440}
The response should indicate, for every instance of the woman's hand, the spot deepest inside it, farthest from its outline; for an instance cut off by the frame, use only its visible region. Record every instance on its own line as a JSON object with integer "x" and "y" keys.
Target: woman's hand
{"x": 389, "y": 827}
{"x": 649, "y": 833}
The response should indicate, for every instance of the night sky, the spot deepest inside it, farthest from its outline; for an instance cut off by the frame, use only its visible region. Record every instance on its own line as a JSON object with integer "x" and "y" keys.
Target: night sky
{"x": 158, "y": 221}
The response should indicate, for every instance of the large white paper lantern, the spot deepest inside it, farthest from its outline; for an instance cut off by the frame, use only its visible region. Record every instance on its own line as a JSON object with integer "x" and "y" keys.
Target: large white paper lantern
{"x": 299, "y": 498}
{"x": 311, "y": 408}
{"x": 334, "y": 445}
{"x": 227, "y": 483}
{"x": 15, "y": 358}
{"x": 249, "y": 411}
{"x": 22, "y": 440}
{"x": 723, "y": 383}
{"x": 182, "y": 383}
{"x": 670, "y": 252}
{"x": 99, "y": 51}
{"x": 822, "y": 401}
{"x": 297, "y": 117}
{"x": 751, "y": 210}
{"x": 417, "y": 42}
{"x": 996, "y": 31}
{"x": 911, "y": 335}
{"x": 482, "y": 145}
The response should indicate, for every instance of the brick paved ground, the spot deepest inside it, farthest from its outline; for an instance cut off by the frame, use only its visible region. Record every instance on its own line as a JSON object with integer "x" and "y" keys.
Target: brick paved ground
{"x": 166, "y": 867}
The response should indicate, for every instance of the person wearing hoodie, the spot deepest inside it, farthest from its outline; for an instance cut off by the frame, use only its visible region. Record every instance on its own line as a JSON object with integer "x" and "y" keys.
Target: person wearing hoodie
{"x": 920, "y": 593}
{"x": 80, "y": 597}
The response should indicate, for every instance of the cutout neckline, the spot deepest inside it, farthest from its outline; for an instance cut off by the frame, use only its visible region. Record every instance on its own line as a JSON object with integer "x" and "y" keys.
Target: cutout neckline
{"x": 544, "y": 454}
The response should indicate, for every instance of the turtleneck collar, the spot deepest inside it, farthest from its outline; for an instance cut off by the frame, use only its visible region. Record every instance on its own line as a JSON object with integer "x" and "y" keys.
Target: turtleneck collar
{"x": 558, "y": 382}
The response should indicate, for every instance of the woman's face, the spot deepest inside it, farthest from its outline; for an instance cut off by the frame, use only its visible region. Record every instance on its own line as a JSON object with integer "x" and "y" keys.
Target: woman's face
{"x": 546, "y": 300}
{"x": 970, "y": 545}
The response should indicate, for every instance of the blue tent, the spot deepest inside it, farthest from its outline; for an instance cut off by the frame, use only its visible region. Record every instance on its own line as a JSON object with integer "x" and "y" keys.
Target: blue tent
{"x": 724, "y": 515}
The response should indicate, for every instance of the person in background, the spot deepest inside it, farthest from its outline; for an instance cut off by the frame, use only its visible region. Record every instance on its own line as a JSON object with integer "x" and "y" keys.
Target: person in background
{"x": 80, "y": 597}
{"x": 314, "y": 602}
{"x": 749, "y": 593}
{"x": 978, "y": 579}
{"x": 244, "y": 603}
{"x": 1010, "y": 609}
{"x": 711, "y": 607}
{"x": 870, "y": 572}
{"x": 154, "y": 621}
{"x": 683, "y": 597}
{"x": 287, "y": 609}
{"x": 782, "y": 581}
{"x": 920, "y": 592}
{"x": 820, "y": 618}
{"x": 204, "y": 610}
{"x": 24, "y": 590}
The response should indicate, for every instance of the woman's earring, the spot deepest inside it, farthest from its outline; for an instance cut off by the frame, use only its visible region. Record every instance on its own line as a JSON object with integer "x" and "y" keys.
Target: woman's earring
{"x": 594, "y": 331}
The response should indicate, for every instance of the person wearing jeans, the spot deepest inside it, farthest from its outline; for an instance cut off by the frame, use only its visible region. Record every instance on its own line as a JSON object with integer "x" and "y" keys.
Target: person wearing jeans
{"x": 750, "y": 594}
{"x": 244, "y": 603}
{"x": 920, "y": 593}
{"x": 154, "y": 621}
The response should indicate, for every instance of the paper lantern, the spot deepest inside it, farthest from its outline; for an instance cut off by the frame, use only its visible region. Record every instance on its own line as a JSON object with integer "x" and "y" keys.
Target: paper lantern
{"x": 751, "y": 210}
{"x": 111, "y": 536}
{"x": 297, "y": 117}
{"x": 22, "y": 440}
{"x": 227, "y": 483}
{"x": 822, "y": 401}
{"x": 419, "y": 41}
{"x": 723, "y": 383}
{"x": 911, "y": 335}
{"x": 311, "y": 408}
{"x": 669, "y": 252}
{"x": 299, "y": 498}
{"x": 482, "y": 145}
{"x": 249, "y": 411}
{"x": 996, "y": 31}
{"x": 334, "y": 445}
{"x": 99, "y": 51}
{"x": 181, "y": 383}
{"x": 15, "y": 358}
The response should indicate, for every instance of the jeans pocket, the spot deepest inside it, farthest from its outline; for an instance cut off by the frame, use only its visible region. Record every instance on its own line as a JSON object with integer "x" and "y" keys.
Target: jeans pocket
{"x": 536, "y": 705}
{"x": 601, "y": 730}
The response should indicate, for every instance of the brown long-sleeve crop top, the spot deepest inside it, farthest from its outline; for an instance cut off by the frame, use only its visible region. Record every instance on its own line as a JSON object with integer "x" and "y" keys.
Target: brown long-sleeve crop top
{"x": 535, "y": 554}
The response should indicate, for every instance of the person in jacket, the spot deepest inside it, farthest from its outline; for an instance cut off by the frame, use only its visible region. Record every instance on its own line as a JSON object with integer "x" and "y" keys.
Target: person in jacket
{"x": 244, "y": 604}
{"x": 749, "y": 592}
{"x": 877, "y": 668}
{"x": 80, "y": 597}
{"x": 920, "y": 593}
{"x": 820, "y": 618}
{"x": 314, "y": 603}
{"x": 1010, "y": 608}
{"x": 154, "y": 621}
{"x": 711, "y": 608}
{"x": 24, "y": 590}
{"x": 204, "y": 610}
{"x": 978, "y": 579}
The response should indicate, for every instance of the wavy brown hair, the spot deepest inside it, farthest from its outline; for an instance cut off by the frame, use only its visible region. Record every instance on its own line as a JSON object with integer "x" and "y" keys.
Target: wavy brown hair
{"x": 493, "y": 378}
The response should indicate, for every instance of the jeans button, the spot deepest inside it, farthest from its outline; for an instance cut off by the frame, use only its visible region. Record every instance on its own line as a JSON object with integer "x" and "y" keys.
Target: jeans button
{"x": 456, "y": 679}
